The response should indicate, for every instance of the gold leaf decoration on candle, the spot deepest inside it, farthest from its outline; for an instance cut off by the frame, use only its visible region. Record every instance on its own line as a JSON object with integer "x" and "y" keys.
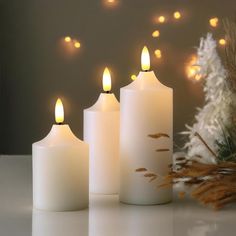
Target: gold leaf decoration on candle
{"x": 141, "y": 170}
{"x": 165, "y": 185}
{"x": 150, "y": 175}
{"x": 163, "y": 150}
{"x": 153, "y": 178}
{"x": 158, "y": 135}
{"x": 181, "y": 195}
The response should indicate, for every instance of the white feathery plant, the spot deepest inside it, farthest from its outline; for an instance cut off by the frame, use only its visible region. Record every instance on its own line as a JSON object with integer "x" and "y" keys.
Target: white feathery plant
{"x": 215, "y": 115}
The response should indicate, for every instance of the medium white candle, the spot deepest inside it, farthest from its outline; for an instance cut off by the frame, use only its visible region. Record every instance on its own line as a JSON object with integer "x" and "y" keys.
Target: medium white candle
{"x": 60, "y": 169}
{"x": 146, "y": 108}
{"x": 101, "y": 132}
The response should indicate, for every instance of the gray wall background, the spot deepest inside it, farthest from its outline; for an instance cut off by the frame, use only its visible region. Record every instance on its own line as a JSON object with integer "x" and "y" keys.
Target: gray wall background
{"x": 36, "y": 68}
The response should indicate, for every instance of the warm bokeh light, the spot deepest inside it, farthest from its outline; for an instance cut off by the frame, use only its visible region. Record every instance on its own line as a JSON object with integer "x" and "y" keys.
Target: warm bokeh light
{"x": 192, "y": 70}
{"x": 161, "y": 19}
{"x": 222, "y": 42}
{"x": 110, "y": 3}
{"x": 77, "y": 44}
{"x": 59, "y": 112}
{"x": 67, "y": 39}
{"x": 145, "y": 59}
{"x": 133, "y": 77}
{"x": 69, "y": 46}
{"x": 177, "y": 15}
{"x": 106, "y": 80}
{"x": 155, "y": 33}
{"x": 158, "y": 53}
{"x": 214, "y": 22}
{"x": 198, "y": 77}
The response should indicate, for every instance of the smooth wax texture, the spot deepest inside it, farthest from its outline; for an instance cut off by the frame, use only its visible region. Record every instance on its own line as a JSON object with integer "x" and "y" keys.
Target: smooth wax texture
{"x": 101, "y": 132}
{"x": 60, "y": 171}
{"x": 146, "y": 108}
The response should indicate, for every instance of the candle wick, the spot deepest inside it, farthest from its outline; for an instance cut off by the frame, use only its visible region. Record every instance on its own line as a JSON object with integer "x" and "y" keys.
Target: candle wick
{"x": 107, "y": 91}
{"x": 145, "y": 70}
{"x": 60, "y": 123}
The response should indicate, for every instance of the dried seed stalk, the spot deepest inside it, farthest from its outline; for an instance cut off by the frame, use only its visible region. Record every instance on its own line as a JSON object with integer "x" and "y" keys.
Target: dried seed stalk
{"x": 158, "y": 135}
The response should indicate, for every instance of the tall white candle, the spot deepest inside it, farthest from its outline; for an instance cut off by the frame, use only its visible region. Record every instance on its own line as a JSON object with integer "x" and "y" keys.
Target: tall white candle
{"x": 60, "y": 169}
{"x": 146, "y": 108}
{"x": 101, "y": 132}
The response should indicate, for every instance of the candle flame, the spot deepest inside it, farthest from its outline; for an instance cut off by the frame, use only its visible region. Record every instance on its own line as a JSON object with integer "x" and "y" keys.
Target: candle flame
{"x": 145, "y": 59}
{"x": 106, "y": 80}
{"x": 59, "y": 111}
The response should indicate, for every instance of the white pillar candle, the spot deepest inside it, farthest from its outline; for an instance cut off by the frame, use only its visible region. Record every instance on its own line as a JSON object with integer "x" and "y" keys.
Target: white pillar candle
{"x": 101, "y": 132}
{"x": 60, "y": 169}
{"x": 146, "y": 108}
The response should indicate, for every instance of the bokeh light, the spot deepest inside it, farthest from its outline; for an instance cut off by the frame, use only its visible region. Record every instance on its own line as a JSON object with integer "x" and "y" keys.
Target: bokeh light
{"x": 177, "y": 15}
{"x": 192, "y": 70}
{"x": 161, "y": 19}
{"x": 133, "y": 77}
{"x": 222, "y": 42}
{"x": 77, "y": 44}
{"x": 69, "y": 46}
{"x": 110, "y": 3}
{"x": 67, "y": 39}
{"x": 158, "y": 53}
{"x": 156, "y": 34}
{"x": 214, "y": 22}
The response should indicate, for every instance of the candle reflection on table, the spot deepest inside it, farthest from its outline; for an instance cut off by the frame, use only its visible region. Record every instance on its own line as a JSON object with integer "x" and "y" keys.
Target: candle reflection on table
{"x": 45, "y": 223}
{"x": 109, "y": 217}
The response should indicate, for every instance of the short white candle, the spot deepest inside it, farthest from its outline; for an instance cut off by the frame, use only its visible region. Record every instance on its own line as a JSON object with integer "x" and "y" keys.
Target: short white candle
{"x": 146, "y": 108}
{"x": 101, "y": 132}
{"x": 60, "y": 169}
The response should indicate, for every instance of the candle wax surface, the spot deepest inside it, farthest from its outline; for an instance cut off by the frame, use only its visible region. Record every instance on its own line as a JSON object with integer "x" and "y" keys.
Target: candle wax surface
{"x": 60, "y": 171}
{"x": 101, "y": 131}
{"x": 146, "y": 108}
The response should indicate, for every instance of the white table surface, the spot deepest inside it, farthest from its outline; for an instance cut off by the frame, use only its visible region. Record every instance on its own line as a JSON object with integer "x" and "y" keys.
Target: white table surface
{"x": 105, "y": 216}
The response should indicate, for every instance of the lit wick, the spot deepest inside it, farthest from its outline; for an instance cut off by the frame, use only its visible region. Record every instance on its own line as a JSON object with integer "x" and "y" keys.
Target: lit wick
{"x": 106, "y": 81}
{"x": 59, "y": 112}
{"x": 145, "y": 59}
